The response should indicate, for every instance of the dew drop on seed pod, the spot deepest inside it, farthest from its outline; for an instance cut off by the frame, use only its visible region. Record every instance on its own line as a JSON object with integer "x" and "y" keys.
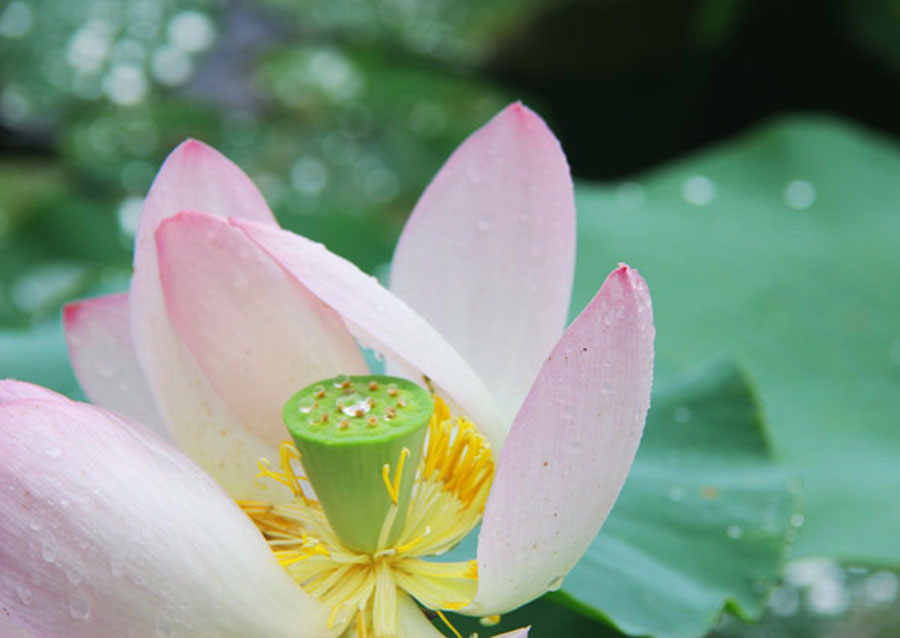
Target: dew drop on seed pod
{"x": 355, "y": 405}
{"x": 306, "y": 405}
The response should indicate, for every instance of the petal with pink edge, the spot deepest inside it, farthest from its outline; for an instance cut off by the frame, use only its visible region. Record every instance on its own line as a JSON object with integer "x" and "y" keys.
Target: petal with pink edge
{"x": 257, "y": 334}
{"x": 98, "y": 334}
{"x": 380, "y": 320}
{"x": 488, "y": 255}
{"x": 193, "y": 177}
{"x": 107, "y": 531}
{"x": 515, "y": 633}
{"x": 570, "y": 448}
{"x": 12, "y": 390}
{"x": 197, "y": 177}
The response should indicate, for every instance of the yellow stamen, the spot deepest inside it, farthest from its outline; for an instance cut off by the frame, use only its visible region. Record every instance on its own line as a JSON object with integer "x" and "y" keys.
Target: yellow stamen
{"x": 447, "y": 622}
{"x": 394, "y": 490}
{"x": 450, "y": 488}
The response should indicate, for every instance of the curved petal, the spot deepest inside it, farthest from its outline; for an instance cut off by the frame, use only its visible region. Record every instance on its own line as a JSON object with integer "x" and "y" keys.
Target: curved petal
{"x": 411, "y": 622}
{"x": 193, "y": 177}
{"x": 380, "y": 320}
{"x": 258, "y": 336}
{"x": 99, "y": 338}
{"x": 107, "y": 531}
{"x": 522, "y": 632}
{"x": 12, "y": 390}
{"x": 488, "y": 254}
{"x": 570, "y": 449}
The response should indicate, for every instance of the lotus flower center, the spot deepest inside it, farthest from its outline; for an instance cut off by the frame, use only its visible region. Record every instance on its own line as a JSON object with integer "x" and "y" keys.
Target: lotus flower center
{"x": 391, "y": 478}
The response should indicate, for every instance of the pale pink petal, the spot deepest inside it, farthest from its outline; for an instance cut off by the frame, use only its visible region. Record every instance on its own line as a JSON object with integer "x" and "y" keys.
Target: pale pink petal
{"x": 515, "y": 633}
{"x": 12, "y": 390}
{"x": 98, "y": 334}
{"x": 107, "y": 531}
{"x": 10, "y": 627}
{"x": 197, "y": 177}
{"x": 380, "y": 320}
{"x": 411, "y": 622}
{"x": 193, "y": 177}
{"x": 488, "y": 255}
{"x": 257, "y": 334}
{"x": 570, "y": 448}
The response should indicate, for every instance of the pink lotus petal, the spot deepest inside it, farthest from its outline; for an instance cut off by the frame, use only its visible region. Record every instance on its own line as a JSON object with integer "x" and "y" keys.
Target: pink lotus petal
{"x": 98, "y": 334}
{"x": 488, "y": 255}
{"x": 570, "y": 448}
{"x": 193, "y": 177}
{"x": 258, "y": 336}
{"x": 380, "y": 320}
{"x": 12, "y": 390}
{"x": 522, "y": 632}
{"x": 197, "y": 177}
{"x": 107, "y": 531}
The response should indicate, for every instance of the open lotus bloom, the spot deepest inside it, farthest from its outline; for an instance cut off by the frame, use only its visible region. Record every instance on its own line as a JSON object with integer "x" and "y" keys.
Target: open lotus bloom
{"x": 527, "y": 427}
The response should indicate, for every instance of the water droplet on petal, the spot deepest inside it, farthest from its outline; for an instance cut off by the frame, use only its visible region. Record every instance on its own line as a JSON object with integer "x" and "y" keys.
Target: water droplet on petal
{"x": 555, "y": 584}
{"x": 49, "y": 551}
{"x": 80, "y": 606}
{"x": 36, "y": 525}
{"x": 25, "y": 594}
{"x": 165, "y": 626}
{"x": 74, "y": 575}
{"x": 116, "y": 568}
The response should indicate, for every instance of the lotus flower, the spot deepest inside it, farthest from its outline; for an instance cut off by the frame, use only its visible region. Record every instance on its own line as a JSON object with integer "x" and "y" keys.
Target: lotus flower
{"x": 110, "y": 529}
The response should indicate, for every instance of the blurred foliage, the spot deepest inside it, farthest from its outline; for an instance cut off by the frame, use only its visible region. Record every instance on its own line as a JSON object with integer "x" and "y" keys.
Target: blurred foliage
{"x": 342, "y": 110}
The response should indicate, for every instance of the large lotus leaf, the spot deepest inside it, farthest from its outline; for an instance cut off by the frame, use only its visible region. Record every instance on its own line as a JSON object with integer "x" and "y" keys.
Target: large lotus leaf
{"x": 782, "y": 249}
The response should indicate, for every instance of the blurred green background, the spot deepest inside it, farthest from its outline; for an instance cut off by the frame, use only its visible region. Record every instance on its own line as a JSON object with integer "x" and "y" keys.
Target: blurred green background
{"x": 740, "y": 153}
